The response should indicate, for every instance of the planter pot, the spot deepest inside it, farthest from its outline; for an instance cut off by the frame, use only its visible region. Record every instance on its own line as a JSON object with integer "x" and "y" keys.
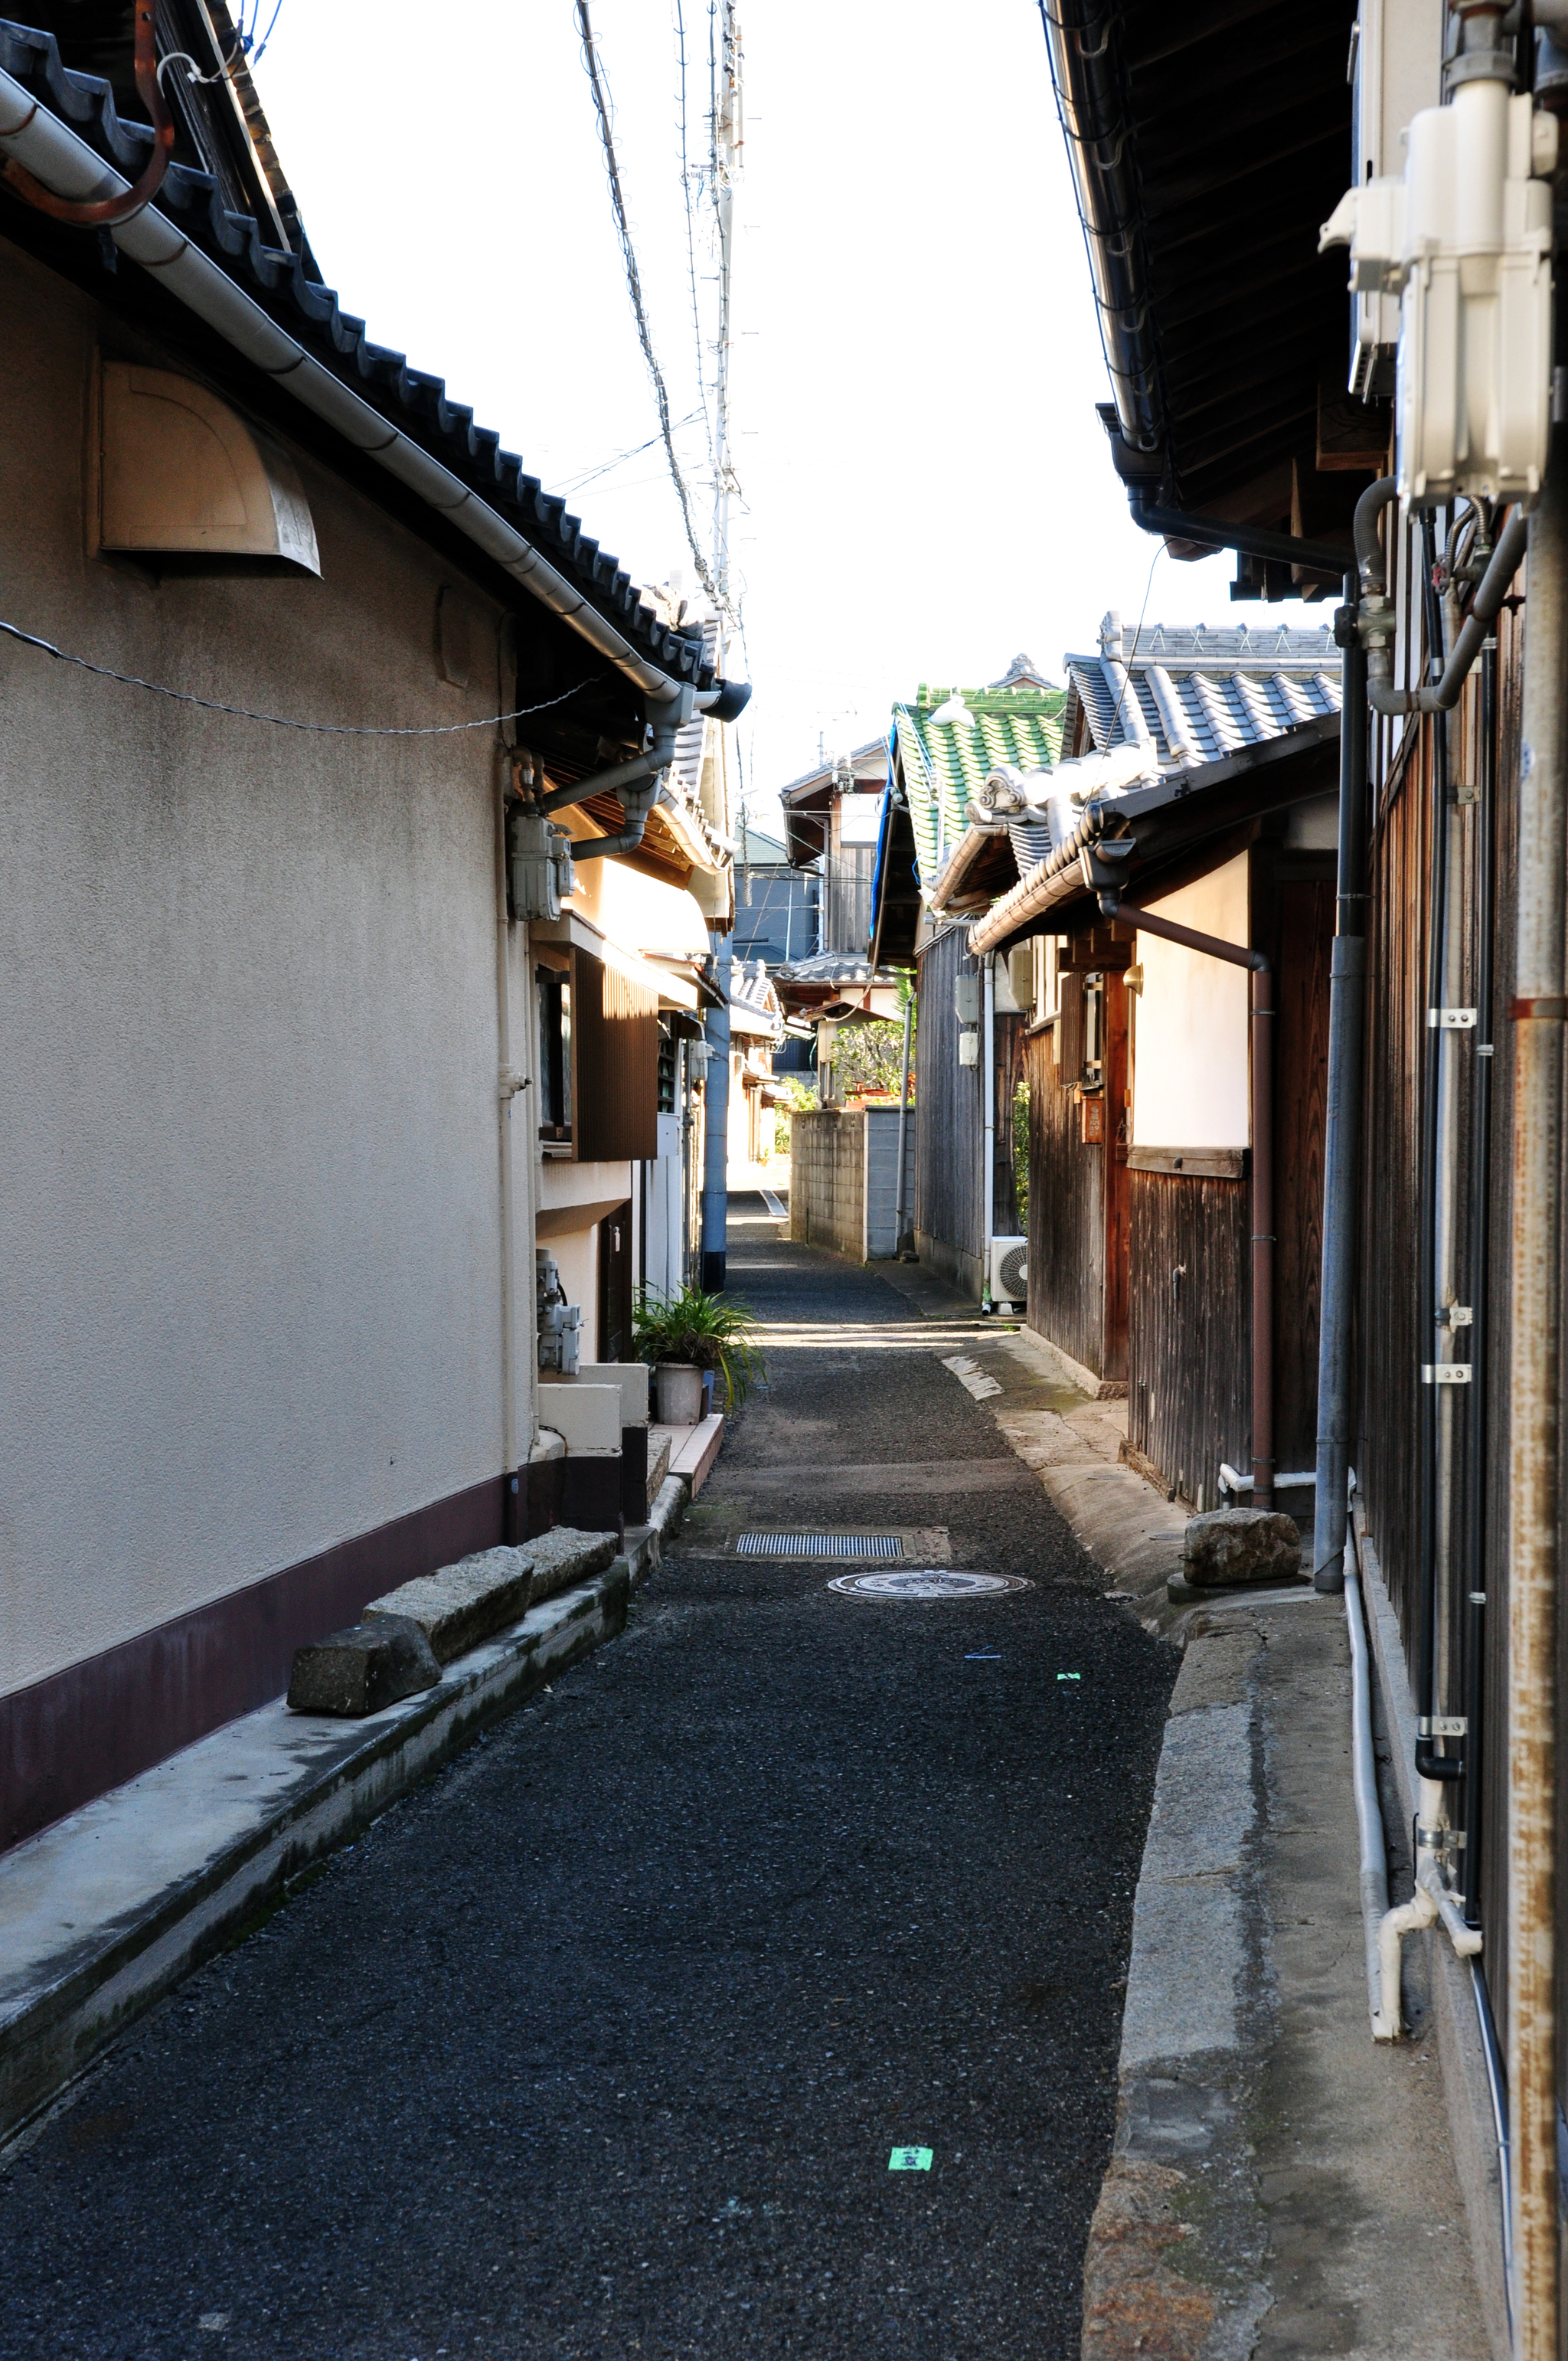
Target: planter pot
{"x": 708, "y": 1393}
{"x": 678, "y": 1386}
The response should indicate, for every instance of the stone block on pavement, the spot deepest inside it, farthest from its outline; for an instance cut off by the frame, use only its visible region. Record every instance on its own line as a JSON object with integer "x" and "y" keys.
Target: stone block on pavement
{"x": 565, "y": 1555}
{"x": 357, "y": 1672}
{"x": 459, "y": 1606}
{"x": 1236, "y": 1545}
{"x": 659, "y": 1440}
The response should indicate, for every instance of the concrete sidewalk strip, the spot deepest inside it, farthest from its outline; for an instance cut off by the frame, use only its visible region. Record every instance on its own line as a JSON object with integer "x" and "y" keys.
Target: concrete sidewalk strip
{"x": 106, "y": 1911}
{"x": 694, "y": 1455}
{"x": 1280, "y": 2184}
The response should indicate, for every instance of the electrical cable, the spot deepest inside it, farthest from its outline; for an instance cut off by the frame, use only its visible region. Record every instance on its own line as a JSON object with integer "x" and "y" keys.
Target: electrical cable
{"x": 691, "y": 232}
{"x": 604, "y": 466}
{"x": 634, "y": 289}
{"x": 248, "y": 47}
{"x": 1137, "y": 635}
{"x": 278, "y": 720}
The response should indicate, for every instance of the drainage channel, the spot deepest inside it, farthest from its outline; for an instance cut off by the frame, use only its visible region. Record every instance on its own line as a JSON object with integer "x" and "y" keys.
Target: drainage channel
{"x": 828, "y": 1545}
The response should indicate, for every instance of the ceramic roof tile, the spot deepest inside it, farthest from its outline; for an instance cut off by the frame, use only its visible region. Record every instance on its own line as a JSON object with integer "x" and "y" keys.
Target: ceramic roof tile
{"x": 946, "y": 764}
{"x": 415, "y": 403}
{"x": 1233, "y": 686}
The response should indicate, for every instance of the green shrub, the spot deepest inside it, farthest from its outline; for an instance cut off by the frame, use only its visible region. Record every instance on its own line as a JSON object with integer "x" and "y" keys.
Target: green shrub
{"x": 702, "y": 1331}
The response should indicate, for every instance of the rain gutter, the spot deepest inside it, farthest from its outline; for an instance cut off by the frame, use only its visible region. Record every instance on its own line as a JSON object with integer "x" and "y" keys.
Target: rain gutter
{"x": 66, "y": 165}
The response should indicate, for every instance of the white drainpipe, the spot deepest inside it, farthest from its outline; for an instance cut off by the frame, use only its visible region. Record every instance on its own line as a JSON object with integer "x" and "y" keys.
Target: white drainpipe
{"x": 512, "y": 1084}
{"x": 1363, "y": 1778}
{"x": 51, "y": 151}
{"x": 1386, "y": 1929}
{"x": 1430, "y": 1901}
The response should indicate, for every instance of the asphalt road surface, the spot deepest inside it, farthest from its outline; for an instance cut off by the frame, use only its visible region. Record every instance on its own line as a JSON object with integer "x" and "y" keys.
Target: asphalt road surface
{"x": 602, "y": 2041}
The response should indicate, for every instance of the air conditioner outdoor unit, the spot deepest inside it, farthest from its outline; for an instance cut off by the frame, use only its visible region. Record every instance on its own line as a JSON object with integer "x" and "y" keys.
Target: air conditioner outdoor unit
{"x": 1009, "y": 1271}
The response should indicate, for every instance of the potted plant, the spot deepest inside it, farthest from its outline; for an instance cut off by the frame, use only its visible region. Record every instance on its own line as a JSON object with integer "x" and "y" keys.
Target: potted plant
{"x": 688, "y": 1336}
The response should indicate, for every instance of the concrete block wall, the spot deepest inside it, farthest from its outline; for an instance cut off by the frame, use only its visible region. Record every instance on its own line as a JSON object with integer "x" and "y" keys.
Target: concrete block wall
{"x": 827, "y": 1179}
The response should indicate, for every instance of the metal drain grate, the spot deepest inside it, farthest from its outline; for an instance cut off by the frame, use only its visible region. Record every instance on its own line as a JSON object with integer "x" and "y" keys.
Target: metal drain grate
{"x": 873, "y": 1546}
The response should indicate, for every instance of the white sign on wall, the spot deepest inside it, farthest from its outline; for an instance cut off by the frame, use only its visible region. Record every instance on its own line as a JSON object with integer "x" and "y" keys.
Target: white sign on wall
{"x": 860, "y": 820}
{"x": 1190, "y": 1074}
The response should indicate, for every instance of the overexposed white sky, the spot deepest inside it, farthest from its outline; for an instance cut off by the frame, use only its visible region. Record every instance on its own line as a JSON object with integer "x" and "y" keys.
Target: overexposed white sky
{"x": 927, "y": 491}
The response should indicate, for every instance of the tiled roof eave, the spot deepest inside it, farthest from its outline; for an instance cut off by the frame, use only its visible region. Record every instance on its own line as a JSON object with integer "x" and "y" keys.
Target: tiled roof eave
{"x": 414, "y": 405}
{"x": 1048, "y": 883}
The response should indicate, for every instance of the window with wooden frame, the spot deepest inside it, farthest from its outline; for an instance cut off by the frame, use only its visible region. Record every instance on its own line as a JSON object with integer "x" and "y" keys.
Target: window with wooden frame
{"x": 1046, "y": 978}
{"x": 669, "y": 1062}
{"x": 552, "y": 996}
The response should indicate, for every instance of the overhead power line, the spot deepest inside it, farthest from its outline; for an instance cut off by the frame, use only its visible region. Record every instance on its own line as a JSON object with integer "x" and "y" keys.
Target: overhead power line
{"x": 639, "y": 310}
{"x": 278, "y": 720}
{"x": 691, "y": 230}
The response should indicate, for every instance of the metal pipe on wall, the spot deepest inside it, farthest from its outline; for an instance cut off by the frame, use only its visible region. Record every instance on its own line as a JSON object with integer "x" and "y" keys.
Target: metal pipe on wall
{"x": 1435, "y": 1339}
{"x": 716, "y": 1132}
{"x": 899, "y": 1202}
{"x": 988, "y": 1113}
{"x": 1480, "y": 1270}
{"x": 516, "y": 1299}
{"x": 1341, "y": 1140}
{"x": 1535, "y": 1311}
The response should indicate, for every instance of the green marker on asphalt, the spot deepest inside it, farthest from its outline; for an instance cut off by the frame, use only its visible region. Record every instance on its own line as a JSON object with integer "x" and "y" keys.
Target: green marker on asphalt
{"x": 910, "y": 2159}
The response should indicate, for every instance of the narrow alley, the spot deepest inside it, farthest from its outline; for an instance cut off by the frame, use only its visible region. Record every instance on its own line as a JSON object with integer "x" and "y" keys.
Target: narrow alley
{"x": 602, "y": 2041}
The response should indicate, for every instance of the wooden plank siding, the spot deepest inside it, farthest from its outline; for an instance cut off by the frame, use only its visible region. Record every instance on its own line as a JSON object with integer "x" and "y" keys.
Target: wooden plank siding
{"x": 1302, "y": 944}
{"x": 1188, "y": 1389}
{"x": 1189, "y": 1258}
{"x": 947, "y": 1185}
{"x": 1067, "y": 1211}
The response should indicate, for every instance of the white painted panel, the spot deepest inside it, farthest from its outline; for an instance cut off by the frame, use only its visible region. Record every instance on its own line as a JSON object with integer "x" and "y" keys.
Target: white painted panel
{"x": 1190, "y": 1025}
{"x": 860, "y": 820}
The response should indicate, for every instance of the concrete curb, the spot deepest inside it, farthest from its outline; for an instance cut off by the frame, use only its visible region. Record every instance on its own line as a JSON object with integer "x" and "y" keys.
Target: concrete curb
{"x": 106, "y": 1911}
{"x": 1177, "y": 2245}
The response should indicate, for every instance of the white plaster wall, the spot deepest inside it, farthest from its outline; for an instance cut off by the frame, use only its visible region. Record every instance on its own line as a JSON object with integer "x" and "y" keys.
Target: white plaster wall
{"x": 576, "y": 1260}
{"x": 1189, "y": 1023}
{"x": 250, "y": 1247}
{"x": 664, "y": 1219}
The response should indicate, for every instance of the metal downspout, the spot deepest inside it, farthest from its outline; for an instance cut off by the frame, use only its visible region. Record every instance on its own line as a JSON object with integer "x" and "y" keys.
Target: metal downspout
{"x": 900, "y": 1204}
{"x": 1342, "y": 1141}
{"x": 517, "y": 1405}
{"x": 716, "y": 1134}
{"x": 988, "y": 1119}
{"x": 1535, "y": 1310}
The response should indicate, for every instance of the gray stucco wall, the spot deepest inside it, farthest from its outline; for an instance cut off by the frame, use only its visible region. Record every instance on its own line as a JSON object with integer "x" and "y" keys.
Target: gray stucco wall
{"x": 249, "y": 1240}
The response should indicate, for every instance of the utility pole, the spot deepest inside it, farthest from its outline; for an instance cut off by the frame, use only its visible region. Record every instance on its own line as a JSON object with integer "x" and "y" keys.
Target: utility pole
{"x": 729, "y": 143}
{"x": 728, "y": 140}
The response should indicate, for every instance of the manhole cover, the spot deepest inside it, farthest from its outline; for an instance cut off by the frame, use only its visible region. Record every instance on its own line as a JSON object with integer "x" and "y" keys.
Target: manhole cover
{"x": 925, "y": 1582}
{"x": 883, "y": 1546}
